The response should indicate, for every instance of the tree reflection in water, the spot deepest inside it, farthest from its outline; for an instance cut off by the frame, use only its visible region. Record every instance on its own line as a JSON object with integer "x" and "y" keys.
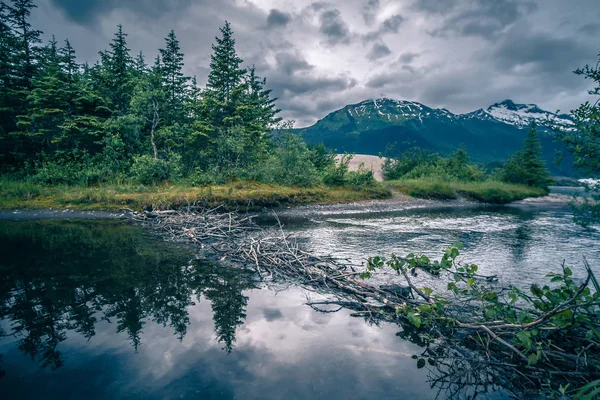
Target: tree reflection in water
{"x": 57, "y": 277}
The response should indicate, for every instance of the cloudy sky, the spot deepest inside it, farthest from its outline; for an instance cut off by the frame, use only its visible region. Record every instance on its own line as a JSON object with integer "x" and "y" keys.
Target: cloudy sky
{"x": 321, "y": 55}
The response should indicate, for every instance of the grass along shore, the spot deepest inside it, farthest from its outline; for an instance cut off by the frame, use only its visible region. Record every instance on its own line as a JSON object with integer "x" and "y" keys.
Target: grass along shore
{"x": 251, "y": 195}
{"x": 490, "y": 191}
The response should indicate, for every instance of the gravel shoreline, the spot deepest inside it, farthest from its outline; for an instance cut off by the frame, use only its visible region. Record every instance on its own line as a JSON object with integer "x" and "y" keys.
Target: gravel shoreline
{"x": 398, "y": 202}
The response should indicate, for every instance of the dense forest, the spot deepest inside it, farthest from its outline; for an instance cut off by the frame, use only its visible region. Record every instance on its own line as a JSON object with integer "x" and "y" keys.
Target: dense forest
{"x": 123, "y": 117}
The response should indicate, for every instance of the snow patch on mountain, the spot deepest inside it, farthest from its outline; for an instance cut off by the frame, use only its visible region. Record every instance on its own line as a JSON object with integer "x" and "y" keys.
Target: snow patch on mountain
{"x": 522, "y": 115}
{"x": 519, "y": 115}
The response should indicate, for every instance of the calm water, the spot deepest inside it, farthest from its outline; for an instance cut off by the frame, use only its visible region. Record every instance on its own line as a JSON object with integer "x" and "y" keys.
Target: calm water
{"x": 98, "y": 309}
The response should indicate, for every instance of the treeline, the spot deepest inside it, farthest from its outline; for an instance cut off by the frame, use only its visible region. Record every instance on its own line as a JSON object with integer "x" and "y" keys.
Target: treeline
{"x": 525, "y": 167}
{"x": 122, "y": 118}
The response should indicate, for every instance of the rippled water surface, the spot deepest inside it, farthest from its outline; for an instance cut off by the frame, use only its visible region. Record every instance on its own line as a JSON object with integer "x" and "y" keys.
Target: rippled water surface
{"x": 99, "y": 309}
{"x": 520, "y": 245}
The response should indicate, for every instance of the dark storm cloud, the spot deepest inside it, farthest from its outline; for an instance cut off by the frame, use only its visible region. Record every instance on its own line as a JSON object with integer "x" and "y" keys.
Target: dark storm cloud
{"x": 334, "y": 27}
{"x": 278, "y": 18}
{"x": 86, "y": 11}
{"x": 379, "y": 50}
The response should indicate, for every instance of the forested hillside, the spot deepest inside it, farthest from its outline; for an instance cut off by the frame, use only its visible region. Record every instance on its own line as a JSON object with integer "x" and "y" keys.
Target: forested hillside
{"x": 490, "y": 136}
{"x": 125, "y": 117}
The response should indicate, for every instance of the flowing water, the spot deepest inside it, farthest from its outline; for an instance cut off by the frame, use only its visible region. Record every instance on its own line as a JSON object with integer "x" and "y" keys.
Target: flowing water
{"x": 100, "y": 309}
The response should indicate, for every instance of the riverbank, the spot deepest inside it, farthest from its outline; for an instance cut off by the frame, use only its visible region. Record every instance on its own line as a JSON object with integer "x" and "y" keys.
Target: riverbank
{"x": 491, "y": 192}
{"x": 247, "y": 195}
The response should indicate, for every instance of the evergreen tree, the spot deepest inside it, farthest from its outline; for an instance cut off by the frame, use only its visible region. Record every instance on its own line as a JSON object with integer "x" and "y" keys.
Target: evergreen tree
{"x": 26, "y": 39}
{"x": 7, "y": 87}
{"x": 172, "y": 64}
{"x": 536, "y": 172}
{"x": 47, "y": 103}
{"x": 117, "y": 66}
{"x": 262, "y": 115}
{"x": 139, "y": 65}
{"x": 527, "y": 166}
{"x": 224, "y": 80}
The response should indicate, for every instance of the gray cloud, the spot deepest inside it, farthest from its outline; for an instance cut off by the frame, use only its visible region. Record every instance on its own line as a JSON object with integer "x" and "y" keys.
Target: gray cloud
{"x": 540, "y": 52}
{"x": 389, "y": 26}
{"x": 435, "y": 6}
{"x": 379, "y": 50}
{"x": 484, "y": 18}
{"x": 590, "y": 29}
{"x": 369, "y": 12}
{"x": 334, "y": 27}
{"x": 86, "y": 11}
{"x": 392, "y": 24}
{"x": 332, "y": 52}
{"x": 278, "y": 18}
{"x": 407, "y": 58}
{"x": 289, "y": 63}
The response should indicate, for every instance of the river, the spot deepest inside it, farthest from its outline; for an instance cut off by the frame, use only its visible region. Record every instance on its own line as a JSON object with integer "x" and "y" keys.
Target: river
{"x": 100, "y": 309}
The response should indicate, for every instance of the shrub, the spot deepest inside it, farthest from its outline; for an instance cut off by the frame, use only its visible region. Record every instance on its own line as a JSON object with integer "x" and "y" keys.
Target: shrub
{"x": 291, "y": 163}
{"x": 148, "y": 170}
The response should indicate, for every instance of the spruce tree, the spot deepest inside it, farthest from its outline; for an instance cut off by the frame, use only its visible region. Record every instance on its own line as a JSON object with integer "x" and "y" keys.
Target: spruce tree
{"x": 8, "y": 98}
{"x": 172, "y": 64}
{"x": 47, "y": 103}
{"x": 527, "y": 166}
{"x": 262, "y": 117}
{"x": 117, "y": 66}
{"x": 534, "y": 166}
{"x": 27, "y": 39}
{"x": 224, "y": 79}
{"x": 139, "y": 65}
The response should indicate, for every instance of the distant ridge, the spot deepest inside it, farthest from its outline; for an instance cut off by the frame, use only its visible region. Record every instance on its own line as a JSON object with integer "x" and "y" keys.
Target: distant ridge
{"x": 490, "y": 135}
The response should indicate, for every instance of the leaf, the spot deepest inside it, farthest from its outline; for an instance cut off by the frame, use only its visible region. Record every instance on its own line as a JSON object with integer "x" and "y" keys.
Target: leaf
{"x": 426, "y": 290}
{"x": 525, "y": 338}
{"x": 535, "y": 289}
{"x": 532, "y": 359}
{"x": 421, "y": 363}
{"x": 415, "y": 319}
{"x": 470, "y": 282}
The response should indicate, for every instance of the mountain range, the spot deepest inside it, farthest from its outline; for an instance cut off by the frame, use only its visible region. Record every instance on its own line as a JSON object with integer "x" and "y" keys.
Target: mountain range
{"x": 490, "y": 135}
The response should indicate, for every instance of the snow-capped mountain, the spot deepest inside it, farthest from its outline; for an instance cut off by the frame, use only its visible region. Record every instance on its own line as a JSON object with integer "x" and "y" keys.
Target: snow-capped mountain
{"x": 519, "y": 115}
{"x": 522, "y": 115}
{"x": 490, "y": 135}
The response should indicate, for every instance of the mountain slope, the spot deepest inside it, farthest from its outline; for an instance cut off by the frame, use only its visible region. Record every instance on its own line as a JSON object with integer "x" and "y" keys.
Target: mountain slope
{"x": 490, "y": 135}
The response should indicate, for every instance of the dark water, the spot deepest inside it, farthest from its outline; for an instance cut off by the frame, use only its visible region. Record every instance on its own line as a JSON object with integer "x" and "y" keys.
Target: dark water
{"x": 95, "y": 309}
{"x": 98, "y": 309}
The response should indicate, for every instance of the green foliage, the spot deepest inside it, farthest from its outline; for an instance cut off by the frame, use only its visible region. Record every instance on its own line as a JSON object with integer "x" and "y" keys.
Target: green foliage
{"x": 65, "y": 123}
{"x": 527, "y": 167}
{"x": 583, "y": 142}
{"x": 321, "y": 157}
{"x": 148, "y": 170}
{"x": 418, "y": 163}
{"x": 546, "y": 326}
{"x": 290, "y": 163}
{"x": 489, "y": 191}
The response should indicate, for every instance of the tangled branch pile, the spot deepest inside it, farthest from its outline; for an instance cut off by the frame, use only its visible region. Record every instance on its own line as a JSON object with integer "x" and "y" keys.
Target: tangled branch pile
{"x": 476, "y": 334}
